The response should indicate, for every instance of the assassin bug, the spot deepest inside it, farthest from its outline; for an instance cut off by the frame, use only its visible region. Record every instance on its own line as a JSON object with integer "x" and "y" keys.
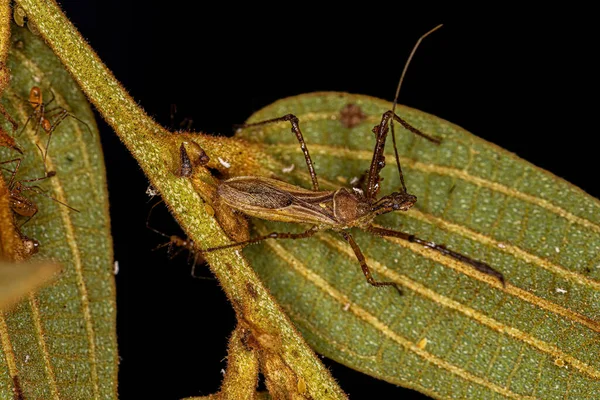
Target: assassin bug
{"x": 20, "y": 204}
{"x": 338, "y": 210}
{"x": 41, "y": 116}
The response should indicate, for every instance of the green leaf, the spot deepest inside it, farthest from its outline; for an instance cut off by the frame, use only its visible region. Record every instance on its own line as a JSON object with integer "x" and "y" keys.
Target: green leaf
{"x": 60, "y": 342}
{"x": 455, "y": 333}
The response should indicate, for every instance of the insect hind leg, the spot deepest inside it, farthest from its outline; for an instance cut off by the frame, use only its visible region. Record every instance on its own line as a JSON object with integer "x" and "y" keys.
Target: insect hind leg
{"x": 291, "y": 118}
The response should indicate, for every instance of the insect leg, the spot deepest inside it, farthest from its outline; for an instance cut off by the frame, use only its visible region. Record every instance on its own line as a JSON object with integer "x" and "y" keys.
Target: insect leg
{"x": 363, "y": 264}
{"x": 272, "y": 235}
{"x": 378, "y": 160}
{"x": 478, "y": 265}
{"x": 39, "y": 190}
{"x": 26, "y": 123}
{"x": 148, "y": 220}
{"x": 68, "y": 114}
{"x": 13, "y": 172}
{"x": 61, "y": 116}
{"x": 296, "y": 130}
{"x": 51, "y": 100}
{"x": 6, "y": 115}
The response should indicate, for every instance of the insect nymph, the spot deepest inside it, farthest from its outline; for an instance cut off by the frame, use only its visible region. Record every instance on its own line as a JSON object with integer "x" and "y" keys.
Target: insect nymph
{"x": 338, "y": 210}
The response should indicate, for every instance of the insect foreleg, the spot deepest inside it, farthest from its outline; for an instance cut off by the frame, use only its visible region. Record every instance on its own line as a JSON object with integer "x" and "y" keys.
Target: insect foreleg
{"x": 296, "y": 130}
{"x": 363, "y": 264}
{"x": 478, "y": 265}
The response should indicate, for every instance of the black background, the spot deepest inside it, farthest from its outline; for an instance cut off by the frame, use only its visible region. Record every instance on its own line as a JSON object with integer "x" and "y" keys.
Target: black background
{"x": 527, "y": 84}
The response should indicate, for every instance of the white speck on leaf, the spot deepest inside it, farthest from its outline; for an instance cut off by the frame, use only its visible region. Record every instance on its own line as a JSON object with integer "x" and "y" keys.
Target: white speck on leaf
{"x": 560, "y": 290}
{"x": 116, "y": 267}
{"x": 287, "y": 170}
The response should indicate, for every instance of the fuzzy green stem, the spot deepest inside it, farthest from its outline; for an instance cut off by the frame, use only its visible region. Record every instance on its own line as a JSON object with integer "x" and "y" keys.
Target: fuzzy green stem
{"x": 5, "y": 15}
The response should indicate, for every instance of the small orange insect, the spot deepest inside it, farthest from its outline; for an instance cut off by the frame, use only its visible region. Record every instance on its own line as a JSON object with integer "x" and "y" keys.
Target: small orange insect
{"x": 42, "y": 115}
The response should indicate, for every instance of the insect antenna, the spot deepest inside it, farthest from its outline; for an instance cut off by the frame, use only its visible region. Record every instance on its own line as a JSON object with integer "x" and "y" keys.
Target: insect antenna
{"x": 39, "y": 190}
{"x": 412, "y": 53}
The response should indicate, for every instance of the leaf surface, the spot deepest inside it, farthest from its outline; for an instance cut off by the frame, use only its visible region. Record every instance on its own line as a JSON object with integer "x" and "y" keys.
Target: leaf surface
{"x": 455, "y": 333}
{"x": 61, "y": 341}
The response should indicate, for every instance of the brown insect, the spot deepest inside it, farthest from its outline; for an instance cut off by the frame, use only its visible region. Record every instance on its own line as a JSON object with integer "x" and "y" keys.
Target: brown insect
{"x": 20, "y": 204}
{"x": 46, "y": 118}
{"x": 338, "y": 210}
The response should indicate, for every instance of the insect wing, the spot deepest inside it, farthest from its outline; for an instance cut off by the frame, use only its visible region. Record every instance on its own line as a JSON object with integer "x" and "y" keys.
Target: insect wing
{"x": 274, "y": 200}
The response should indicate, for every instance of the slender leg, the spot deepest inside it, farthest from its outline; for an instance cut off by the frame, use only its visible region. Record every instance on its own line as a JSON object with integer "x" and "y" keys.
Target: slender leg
{"x": 378, "y": 160}
{"x": 39, "y": 190}
{"x": 59, "y": 114}
{"x": 61, "y": 117}
{"x": 6, "y": 115}
{"x": 414, "y": 130}
{"x": 363, "y": 264}
{"x": 58, "y": 110}
{"x": 272, "y": 235}
{"x": 148, "y": 220}
{"x": 13, "y": 172}
{"x": 34, "y": 114}
{"x": 478, "y": 265}
{"x": 296, "y": 130}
